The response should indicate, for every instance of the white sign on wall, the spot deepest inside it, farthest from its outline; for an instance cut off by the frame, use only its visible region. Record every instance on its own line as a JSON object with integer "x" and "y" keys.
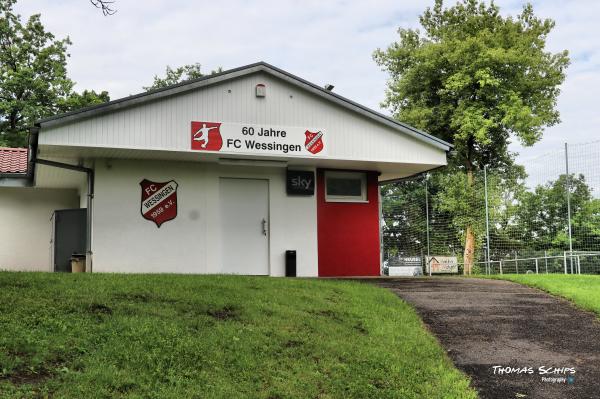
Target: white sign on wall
{"x": 257, "y": 139}
{"x": 442, "y": 264}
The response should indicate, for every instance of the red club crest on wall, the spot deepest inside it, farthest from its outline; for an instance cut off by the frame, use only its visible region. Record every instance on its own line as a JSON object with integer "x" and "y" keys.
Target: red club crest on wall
{"x": 206, "y": 136}
{"x": 159, "y": 201}
{"x": 314, "y": 141}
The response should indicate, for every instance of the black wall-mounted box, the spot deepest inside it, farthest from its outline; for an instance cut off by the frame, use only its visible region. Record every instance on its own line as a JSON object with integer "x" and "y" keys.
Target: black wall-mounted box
{"x": 300, "y": 182}
{"x": 290, "y": 263}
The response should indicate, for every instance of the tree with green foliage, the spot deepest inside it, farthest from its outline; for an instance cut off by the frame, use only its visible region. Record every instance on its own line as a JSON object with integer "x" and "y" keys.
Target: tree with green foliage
{"x": 475, "y": 79}
{"x": 179, "y": 75}
{"x": 541, "y": 215}
{"x": 404, "y": 210}
{"x": 449, "y": 210}
{"x": 33, "y": 76}
{"x": 403, "y": 233}
{"x": 586, "y": 226}
{"x": 84, "y": 99}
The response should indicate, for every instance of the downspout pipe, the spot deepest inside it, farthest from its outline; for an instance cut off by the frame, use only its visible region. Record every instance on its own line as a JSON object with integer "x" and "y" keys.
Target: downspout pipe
{"x": 34, "y": 160}
{"x": 33, "y": 148}
{"x": 90, "y": 198}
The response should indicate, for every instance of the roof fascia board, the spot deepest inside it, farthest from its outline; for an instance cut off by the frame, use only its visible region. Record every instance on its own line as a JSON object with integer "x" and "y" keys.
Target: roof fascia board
{"x": 414, "y": 176}
{"x": 141, "y": 98}
{"x": 367, "y": 112}
{"x": 14, "y": 180}
{"x": 13, "y": 175}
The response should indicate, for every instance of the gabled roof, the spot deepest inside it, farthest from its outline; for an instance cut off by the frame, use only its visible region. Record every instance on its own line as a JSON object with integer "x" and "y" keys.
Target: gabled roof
{"x": 13, "y": 160}
{"x": 208, "y": 80}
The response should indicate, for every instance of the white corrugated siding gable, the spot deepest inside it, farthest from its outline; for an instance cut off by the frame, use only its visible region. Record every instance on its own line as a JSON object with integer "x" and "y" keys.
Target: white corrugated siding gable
{"x": 165, "y": 123}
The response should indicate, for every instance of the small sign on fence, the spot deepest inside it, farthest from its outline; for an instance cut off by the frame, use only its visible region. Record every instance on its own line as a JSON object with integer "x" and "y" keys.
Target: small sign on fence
{"x": 407, "y": 261}
{"x": 404, "y": 266}
{"x": 441, "y": 264}
{"x": 405, "y": 271}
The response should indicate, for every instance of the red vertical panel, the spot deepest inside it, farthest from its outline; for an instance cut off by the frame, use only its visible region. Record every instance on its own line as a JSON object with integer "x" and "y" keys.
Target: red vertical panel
{"x": 348, "y": 233}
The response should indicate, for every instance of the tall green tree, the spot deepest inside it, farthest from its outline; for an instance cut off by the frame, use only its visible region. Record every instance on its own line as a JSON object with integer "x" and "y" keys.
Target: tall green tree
{"x": 179, "y": 75}
{"x": 33, "y": 76}
{"x": 478, "y": 80}
{"x": 586, "y": 227}
{"x": 541, "y": 215}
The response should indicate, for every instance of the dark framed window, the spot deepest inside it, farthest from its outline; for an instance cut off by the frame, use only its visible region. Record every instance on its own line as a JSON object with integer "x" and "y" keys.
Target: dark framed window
{"x": 345, "y": 186}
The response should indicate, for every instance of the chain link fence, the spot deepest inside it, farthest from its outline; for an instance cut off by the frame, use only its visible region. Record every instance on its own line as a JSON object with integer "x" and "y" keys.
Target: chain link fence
{"x": 546, "y": 220}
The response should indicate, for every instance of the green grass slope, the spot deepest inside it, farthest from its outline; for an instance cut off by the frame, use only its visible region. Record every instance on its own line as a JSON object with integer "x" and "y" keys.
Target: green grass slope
{"x": 583, "y": 290}
{"x": 175, "y": 336}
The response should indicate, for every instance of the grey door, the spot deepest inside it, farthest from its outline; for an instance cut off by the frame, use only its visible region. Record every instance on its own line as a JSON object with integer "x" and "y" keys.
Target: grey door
{"x": 68, "y": 237}
{"x": 244, "y": 226}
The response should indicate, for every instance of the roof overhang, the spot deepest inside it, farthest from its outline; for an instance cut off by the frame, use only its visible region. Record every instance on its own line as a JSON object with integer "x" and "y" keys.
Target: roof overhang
{"x": 389, "y": 170}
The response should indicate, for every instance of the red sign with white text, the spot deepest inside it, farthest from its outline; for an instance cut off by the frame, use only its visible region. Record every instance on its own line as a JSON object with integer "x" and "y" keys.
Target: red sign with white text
{"x": 206, "y": 136}
{"x": 261, "y": 139}
{"x": 159, "y": 201}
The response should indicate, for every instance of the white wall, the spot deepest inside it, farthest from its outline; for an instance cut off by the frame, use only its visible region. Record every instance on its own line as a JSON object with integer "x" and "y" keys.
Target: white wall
{"x": 165, "y": 124}
{"x": 123, "y": 241}
{"x": 25, "y": 226}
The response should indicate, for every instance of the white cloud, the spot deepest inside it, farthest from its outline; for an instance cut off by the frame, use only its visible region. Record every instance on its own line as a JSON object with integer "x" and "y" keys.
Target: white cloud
{"x": 321, "y": 41}
{"x": 325, "y": 42}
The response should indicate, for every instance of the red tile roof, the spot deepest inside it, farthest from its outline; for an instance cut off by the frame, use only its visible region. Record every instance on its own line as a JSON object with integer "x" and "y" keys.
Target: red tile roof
{"x": 13, "y": 160}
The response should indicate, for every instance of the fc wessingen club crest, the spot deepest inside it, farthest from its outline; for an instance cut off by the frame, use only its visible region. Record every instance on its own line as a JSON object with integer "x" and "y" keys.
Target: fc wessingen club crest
{"x": 159, "y": 201}
{"x": 313, "y": 142}
{"x": 206, "y": 136}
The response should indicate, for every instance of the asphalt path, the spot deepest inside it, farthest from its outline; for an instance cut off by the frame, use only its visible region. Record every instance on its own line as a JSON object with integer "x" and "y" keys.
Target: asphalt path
{"x": 512, "y": 341}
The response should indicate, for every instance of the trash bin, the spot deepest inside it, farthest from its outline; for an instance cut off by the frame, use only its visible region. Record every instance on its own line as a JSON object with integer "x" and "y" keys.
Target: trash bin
{"x": 290, "y": 263}
{"x": 77, "y": 263}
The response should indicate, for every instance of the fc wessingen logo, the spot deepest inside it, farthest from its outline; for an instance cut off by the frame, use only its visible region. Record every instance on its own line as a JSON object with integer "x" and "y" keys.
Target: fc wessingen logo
{"x": 206, "y": 136}
{"x": 159, "y": 201}
{"x": 313, "y": 142}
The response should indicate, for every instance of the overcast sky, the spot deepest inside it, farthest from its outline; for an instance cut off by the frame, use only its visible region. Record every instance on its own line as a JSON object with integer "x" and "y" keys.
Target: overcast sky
{"x": 321, "y": 41}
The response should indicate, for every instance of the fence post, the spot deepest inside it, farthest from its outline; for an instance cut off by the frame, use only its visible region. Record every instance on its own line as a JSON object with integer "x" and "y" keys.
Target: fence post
{"x": 546, "y": 260}
{"x": 501, "y": 266}
{"x": 427, "y": 210}
{"x": 426, "y": 263}
{"x": 578, "y": 264}
{"x": 568, "y": 189}
{"x": 487, "y": 217}
{"x": 536, "y": 266}
{"x": 571, "y": 260}
{"x": 565, "y": 260}
{"x": 516, "y": 263}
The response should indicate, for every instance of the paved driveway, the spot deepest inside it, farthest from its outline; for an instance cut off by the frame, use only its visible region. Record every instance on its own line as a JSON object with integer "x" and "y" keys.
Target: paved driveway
{"x": 487, "y": 323}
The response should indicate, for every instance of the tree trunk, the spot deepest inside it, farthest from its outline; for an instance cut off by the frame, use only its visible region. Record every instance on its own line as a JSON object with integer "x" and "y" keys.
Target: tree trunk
{"x": 469, "y": 253}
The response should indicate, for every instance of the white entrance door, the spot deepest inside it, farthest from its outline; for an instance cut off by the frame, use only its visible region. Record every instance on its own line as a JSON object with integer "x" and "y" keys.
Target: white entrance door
{"x": 245, "y": 226}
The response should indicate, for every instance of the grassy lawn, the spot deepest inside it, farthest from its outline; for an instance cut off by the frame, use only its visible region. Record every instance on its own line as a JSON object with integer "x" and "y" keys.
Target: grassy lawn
{"x": 174, "y": 336}
{"x": 583, "y": 290}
